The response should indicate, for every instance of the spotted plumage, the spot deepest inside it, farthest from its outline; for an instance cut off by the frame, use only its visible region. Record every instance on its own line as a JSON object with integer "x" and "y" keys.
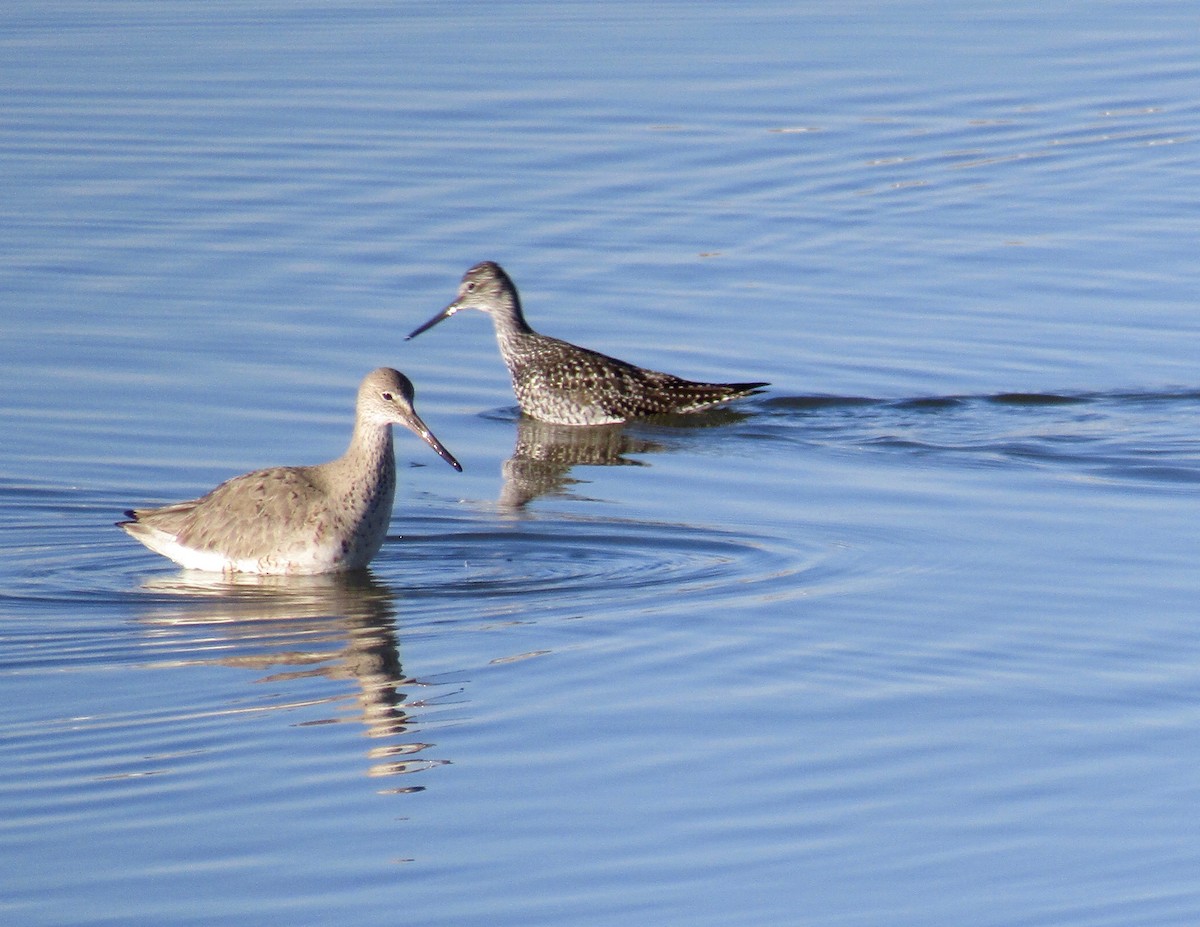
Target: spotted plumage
{"x": 320, "y": 519}
{"x": 561, "y": 383}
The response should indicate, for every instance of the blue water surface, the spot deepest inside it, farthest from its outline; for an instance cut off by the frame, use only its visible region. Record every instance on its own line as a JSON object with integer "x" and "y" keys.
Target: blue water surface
{"x": 908, "y": 639}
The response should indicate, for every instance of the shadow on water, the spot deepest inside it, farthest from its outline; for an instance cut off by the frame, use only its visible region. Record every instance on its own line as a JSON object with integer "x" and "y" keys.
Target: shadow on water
{"x": 1016, "y": 399}
{"x": 1139, "y": 435}
{"x": 1002, "y": 398}
{"x": 337, "y": 627}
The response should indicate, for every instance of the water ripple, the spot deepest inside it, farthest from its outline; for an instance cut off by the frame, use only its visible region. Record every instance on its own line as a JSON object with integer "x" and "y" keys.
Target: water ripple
{"x": 1142, "y": 436}
{"x": 544, "y": 562}
{"x": 565, "y": 564}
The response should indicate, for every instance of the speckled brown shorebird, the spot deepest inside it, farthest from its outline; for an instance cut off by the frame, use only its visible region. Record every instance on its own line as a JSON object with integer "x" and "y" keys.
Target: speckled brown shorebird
{"x": 322, "y": 519}
{"x": 561, "y": 383}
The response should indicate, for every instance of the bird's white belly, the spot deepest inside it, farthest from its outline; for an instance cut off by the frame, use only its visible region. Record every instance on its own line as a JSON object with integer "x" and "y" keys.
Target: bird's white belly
{"x": 308, "y": 560}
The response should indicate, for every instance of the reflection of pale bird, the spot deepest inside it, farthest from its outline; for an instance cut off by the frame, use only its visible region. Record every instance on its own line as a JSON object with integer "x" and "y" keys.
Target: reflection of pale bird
{"x": 320, "y": 519}
{"x": 564, "y": 384}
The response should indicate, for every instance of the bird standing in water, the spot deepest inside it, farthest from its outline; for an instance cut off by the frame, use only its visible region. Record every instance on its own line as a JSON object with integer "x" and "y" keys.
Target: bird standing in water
{"x": 561, "y": 383}
{"x": 321, "y": 519}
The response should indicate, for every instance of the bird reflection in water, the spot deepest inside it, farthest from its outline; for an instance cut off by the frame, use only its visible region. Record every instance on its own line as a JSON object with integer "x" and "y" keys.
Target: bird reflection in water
{"x": 336, "y": 626}
{"x": 544, "y": 453}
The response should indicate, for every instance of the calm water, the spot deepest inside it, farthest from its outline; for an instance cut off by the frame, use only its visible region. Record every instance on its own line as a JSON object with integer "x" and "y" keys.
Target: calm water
{"x": 910, "y": 639}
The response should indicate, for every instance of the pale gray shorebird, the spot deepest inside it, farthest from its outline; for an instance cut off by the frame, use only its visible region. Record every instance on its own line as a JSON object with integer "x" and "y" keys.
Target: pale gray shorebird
{"x": 328, "y": 518}
{"x": 561, "y": 383}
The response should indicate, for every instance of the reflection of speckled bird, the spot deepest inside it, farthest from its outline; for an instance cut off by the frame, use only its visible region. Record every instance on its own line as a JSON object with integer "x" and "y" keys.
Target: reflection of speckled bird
{"x": 564, "y": 384}
{"x": 544, "y": 455}
{"x": 321, "y": 519}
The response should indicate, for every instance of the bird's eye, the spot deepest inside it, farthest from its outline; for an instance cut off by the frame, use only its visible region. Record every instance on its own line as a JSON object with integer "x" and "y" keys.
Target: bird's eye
{"x": 388, "y": 396}
{"x": 471, "y": 287}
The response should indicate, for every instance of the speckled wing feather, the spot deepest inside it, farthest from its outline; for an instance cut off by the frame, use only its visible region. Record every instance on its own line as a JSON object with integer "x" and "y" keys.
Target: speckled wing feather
{"x": 562, "y": 382}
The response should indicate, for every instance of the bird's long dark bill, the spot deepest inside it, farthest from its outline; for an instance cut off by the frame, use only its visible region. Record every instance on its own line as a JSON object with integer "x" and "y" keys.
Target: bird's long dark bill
{"x": 444, "y": 314}
{"x": 427, "y": 436}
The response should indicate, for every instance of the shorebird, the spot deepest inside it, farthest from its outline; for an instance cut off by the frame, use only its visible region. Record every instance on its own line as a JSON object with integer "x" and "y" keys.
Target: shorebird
{"x": 327, "y": 518}
{"x": 561, "y": 383}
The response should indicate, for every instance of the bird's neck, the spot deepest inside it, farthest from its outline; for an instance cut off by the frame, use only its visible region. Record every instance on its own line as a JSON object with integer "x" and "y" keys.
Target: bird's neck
{"x": 509, "y": 319}
{"x": 369, "y": 463}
